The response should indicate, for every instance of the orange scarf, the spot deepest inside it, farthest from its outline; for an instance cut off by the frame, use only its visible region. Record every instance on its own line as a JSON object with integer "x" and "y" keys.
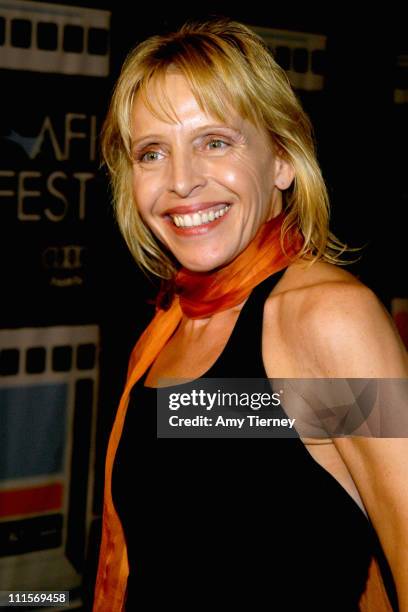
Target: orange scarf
{"x": 202, "y": 294}
{"x": 195, "y": 295}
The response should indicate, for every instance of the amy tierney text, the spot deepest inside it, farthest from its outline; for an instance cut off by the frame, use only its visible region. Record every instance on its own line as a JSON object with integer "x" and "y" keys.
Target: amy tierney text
{"x": 251, "y": 420}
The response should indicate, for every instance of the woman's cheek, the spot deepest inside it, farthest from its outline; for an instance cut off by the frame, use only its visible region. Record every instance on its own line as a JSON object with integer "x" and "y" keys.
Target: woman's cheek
{"x": 222, "y": 170}
{"x": 232, "y": 169}
{"x": 144, "y": 195}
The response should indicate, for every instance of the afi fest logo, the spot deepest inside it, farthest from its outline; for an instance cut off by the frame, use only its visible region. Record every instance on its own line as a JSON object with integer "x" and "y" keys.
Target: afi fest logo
{"x": 40, "y": 195}
{"x": 54, "y": 187}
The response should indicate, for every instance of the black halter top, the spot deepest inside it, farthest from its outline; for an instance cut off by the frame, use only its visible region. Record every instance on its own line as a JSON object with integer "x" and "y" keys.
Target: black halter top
{"x": 217, "y": 523}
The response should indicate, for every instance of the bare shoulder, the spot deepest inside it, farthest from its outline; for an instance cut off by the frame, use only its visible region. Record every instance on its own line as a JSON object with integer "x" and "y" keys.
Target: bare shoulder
{"x": 328, "y": 319}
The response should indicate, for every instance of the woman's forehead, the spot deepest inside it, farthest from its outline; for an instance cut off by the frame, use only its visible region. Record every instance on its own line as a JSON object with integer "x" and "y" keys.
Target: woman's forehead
{"x": 166, "y": 94}
{"x": 170, "y": 98}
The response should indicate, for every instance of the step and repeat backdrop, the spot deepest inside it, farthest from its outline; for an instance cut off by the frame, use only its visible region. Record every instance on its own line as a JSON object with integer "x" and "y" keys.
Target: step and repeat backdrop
{"x": 62, "y": 347}
{"x": 54, "y": 63}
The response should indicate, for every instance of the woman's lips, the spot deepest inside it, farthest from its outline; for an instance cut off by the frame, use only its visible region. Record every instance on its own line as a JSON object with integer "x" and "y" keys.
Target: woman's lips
{"x": 200, "y": 206}
{"x": 192, "y": 224}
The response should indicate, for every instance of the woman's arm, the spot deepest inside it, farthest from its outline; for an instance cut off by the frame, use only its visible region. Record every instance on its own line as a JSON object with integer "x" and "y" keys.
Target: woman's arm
{"x": 350, "y": 335}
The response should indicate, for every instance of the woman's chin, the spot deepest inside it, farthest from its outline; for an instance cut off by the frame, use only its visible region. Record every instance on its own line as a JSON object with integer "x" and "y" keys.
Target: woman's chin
{"x": 198, "y": 267}
{"x": 203, "y": 264}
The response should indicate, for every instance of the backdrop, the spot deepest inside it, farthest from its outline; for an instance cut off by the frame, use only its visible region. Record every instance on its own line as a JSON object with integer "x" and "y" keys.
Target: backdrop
{"x": 73, "y": 302}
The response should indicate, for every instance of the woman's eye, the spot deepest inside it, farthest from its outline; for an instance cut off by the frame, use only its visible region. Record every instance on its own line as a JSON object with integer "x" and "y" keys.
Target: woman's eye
{"x": 217, "y": 142}
{"x": 152, "y": 156}
{"x": 148, "y": 156}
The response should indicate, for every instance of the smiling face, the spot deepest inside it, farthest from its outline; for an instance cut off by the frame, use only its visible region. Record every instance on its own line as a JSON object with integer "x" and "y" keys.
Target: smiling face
{"x": 202, "y": 186}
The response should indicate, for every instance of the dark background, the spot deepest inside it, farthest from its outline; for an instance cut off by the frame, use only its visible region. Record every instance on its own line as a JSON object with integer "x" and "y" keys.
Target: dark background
{"x": 361, "y": 137}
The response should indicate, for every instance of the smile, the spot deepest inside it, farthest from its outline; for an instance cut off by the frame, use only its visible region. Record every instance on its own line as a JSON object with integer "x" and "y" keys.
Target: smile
{"x": 199, "y": 218}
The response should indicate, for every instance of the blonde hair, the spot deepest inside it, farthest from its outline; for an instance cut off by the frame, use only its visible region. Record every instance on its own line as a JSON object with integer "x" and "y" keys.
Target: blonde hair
{"x": 226, "y": 64}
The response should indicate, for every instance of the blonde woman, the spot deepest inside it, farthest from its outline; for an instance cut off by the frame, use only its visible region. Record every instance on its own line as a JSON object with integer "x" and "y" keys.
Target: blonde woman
{"x": 217, "y": 191}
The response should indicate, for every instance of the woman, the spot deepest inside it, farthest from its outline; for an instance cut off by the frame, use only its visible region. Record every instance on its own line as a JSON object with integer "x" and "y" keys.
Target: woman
{"x": 218, "y": 192}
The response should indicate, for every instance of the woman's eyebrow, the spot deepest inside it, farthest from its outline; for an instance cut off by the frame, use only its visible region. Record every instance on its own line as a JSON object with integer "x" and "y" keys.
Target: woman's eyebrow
{"x": 140, "y": 139}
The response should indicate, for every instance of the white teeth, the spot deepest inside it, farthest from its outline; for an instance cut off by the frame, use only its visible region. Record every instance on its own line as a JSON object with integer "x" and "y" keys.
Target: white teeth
{"x": 188, "y": 222}
{"x": 199, "y": 218}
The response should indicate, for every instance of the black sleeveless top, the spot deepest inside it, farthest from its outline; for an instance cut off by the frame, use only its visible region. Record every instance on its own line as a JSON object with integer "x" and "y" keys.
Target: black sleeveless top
{"x": 217, "y": 523}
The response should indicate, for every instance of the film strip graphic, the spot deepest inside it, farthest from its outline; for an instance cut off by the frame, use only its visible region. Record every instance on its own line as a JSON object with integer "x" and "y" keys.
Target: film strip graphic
{"x": 302, "y": 55}
{"x": 48, "y": 400}
{"x": 54, "y": 38}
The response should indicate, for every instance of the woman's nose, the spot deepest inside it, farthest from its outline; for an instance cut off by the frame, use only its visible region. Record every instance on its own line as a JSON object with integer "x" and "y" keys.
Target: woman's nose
{"x": 186, "y": 173}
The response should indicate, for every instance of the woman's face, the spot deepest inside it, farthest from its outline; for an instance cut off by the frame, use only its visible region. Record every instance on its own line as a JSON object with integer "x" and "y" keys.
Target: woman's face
{"x": 203, "y": 187}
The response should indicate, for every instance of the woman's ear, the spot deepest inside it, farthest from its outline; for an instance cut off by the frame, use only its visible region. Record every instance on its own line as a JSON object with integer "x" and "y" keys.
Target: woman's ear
{"x": 284, "y": 174}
